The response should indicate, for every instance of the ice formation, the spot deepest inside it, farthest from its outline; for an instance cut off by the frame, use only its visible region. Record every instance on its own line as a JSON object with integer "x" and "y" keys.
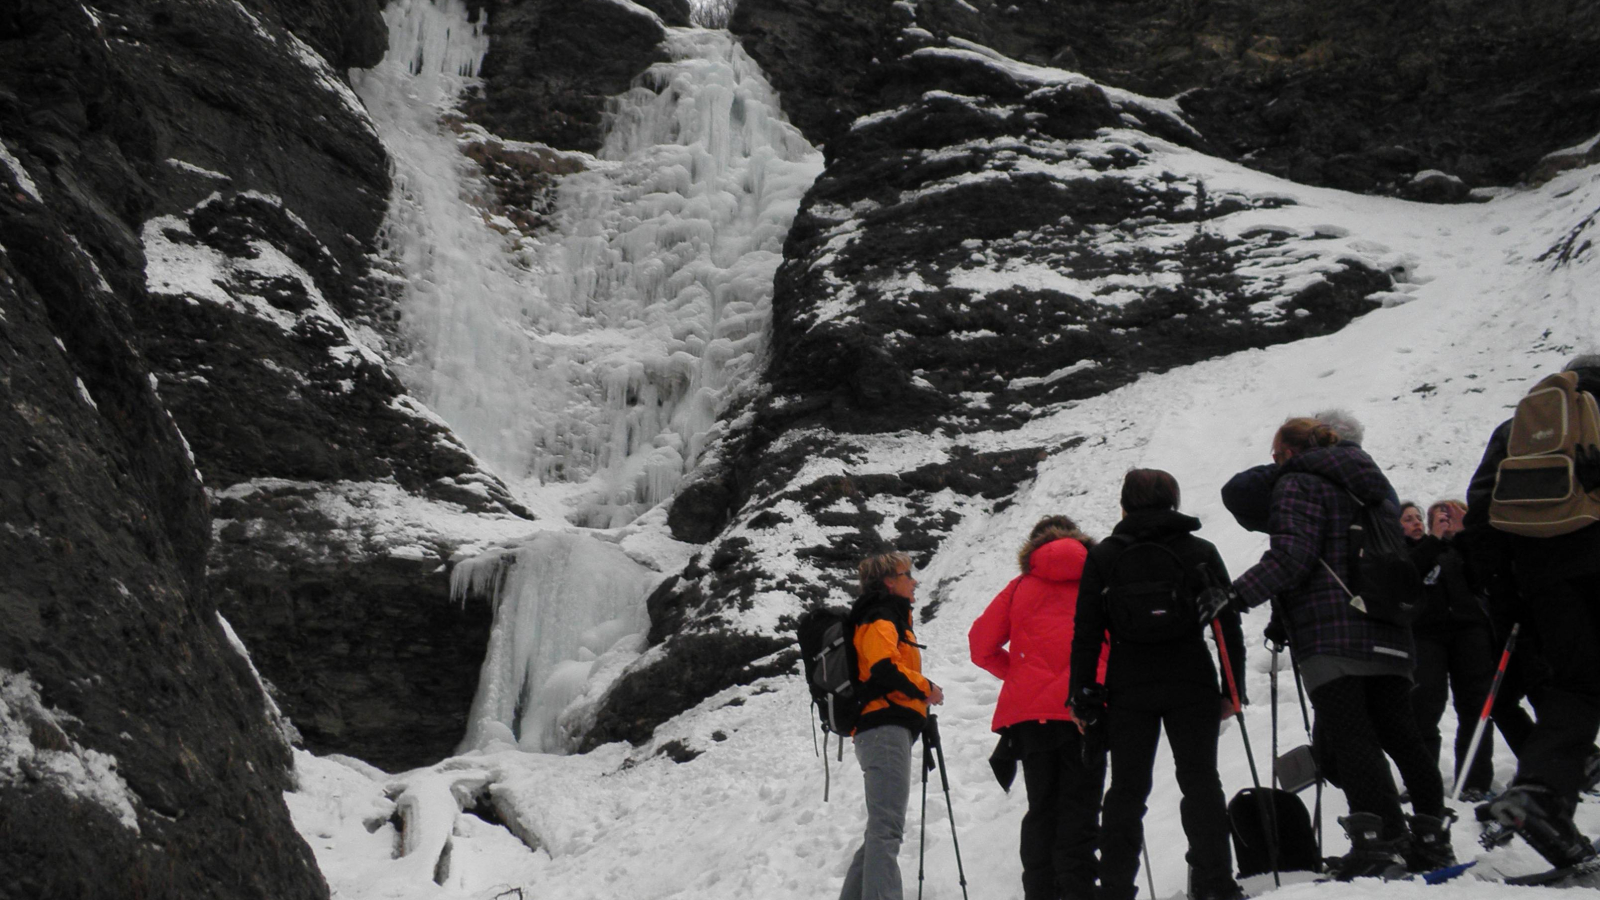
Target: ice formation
{"x": 604, "y": 349}
{"x": 562, "y": 601}
{"x": 600, "y": 350}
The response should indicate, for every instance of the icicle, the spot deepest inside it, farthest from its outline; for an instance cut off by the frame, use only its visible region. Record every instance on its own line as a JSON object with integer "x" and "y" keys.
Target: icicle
{"x": 565, "y": 601}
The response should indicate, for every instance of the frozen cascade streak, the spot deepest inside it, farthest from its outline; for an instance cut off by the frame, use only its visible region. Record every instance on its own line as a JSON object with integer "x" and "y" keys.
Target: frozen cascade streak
{"x": 604, "y": 350}
{"x": 565, "y": 605}
{"x": 669, "y": 248}
{"x": 600, "y": 351}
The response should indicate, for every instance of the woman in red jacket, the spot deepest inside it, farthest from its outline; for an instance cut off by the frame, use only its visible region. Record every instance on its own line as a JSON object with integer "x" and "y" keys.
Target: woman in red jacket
{"x": 1034, "y": 615}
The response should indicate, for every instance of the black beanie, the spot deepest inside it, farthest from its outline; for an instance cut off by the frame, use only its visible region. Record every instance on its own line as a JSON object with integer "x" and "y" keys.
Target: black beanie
{"x": 1587, "y": 367}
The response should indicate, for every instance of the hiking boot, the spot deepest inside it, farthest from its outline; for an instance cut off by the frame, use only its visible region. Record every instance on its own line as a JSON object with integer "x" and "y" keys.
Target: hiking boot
{"x": 1429, "y": 847}
{"x": 1476, "y": 795}
{"x": 1371, "y": 855}
{"x": 1544, "y": 821}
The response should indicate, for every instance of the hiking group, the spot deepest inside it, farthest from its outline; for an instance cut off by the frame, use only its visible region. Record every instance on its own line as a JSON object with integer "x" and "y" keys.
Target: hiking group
{"x": 1386, "y": 612}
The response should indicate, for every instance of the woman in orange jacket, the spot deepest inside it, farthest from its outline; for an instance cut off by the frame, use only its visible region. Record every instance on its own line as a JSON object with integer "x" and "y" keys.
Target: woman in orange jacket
{"x": 1034, "y": 616}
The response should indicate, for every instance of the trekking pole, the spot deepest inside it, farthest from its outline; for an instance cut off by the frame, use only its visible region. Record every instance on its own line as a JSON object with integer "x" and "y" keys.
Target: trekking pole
{"x": 1305, "y": 717}
{"x": 1269, "y": 809}
{"x": 1483, "y": 718}
{"x": 922, "y": 834}
{"x": 944, "y": 781}
{"x": 1149, "y": 877}
{"x": 1272, "y": 846}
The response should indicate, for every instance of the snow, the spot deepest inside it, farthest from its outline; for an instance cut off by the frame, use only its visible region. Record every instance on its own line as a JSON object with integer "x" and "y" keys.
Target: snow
{"x": 193, "y": 169}
{"x": 85, "y": 396}
{"x": 79, "y": 773}
{"x": 178, "y": 264}
{"x": 19, "y": 174}
{"x": 603, "y": 350}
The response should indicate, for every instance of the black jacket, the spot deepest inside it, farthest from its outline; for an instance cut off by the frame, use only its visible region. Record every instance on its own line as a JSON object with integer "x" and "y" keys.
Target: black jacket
{"x": 1248, "y": 495}
{"x": 1154, "y": 667}
{"x": 1451, "y": 602}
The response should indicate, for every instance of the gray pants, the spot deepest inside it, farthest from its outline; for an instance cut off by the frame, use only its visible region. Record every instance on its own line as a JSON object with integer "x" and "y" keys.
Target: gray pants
{"x": 885, "y": 757}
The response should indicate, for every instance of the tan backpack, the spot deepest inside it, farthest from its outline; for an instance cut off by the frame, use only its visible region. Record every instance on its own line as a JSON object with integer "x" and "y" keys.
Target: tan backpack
{"x": 1536, "y": 492}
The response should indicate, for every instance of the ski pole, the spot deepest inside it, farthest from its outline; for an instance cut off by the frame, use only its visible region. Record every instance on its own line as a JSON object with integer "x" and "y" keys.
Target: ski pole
{"x": 1272, "y": 846}
{"x": 1268, "y": 809}
{"x": 1483, "y": 718}
{"x": 944, "y": 781}
{"x": 1149, "y": 877}
{"x": 922, "y": 834}
{"x": 1305, "y": 719}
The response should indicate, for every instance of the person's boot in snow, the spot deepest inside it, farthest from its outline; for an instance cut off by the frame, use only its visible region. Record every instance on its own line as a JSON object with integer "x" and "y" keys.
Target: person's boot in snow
{"x": 1543, "y": 820}
{"x": 1371, "y": 855}
{"x": 1429, "y": 847}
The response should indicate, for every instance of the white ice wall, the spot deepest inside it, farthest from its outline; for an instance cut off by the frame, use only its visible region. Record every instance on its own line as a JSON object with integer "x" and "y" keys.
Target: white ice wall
{"x": 562, "y": 601}
{"x": 604, "y": 350}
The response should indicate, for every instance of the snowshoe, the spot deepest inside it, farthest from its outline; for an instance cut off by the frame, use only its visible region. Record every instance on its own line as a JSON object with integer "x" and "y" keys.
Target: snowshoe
{"x": 1539, "y": 817}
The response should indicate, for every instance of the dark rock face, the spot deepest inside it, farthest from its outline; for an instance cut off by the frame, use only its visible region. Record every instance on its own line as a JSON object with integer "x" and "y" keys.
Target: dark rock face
{"x": 552, "y": 65}
{"x": 368, "y": 652}
{"x": 111, "y": 645}
{"x": 1355, "y": 96}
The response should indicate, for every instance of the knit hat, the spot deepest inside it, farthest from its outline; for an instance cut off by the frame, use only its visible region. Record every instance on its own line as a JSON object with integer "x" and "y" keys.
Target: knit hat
{"x": 1587, "y": 365}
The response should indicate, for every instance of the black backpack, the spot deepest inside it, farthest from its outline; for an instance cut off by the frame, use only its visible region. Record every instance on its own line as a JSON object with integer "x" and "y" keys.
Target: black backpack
{"x": 828, "y": 649}
{"x": 1149, "y": 597}
{"x": 1384, "y": 581}
{"x": 828, "y": 653}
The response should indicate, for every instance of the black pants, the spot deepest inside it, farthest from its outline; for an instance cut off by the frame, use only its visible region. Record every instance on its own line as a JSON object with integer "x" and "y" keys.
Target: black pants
{"x": 1059, "y": 829}
{"x": 1190, "y": 715}
{"x": 1363, "y": 718}
{"x": 1510, "y": 718}
{"x": 1456, "y": 664}
{"x": 1564, "y": 613}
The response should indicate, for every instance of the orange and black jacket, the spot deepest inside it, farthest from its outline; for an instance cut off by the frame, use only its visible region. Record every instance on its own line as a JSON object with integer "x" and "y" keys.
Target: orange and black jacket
{"x": 889, "y": 661}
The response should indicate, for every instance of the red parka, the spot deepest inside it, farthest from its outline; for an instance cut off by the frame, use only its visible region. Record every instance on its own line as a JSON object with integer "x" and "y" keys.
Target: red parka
{"x": 1034, "y": 615}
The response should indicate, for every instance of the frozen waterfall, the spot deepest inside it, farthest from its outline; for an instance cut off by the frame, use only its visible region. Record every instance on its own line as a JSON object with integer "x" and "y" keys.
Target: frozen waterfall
{"x": 590, "y": 358}
{"x": 563, "y": 603}
{"x": 604, "y": 349}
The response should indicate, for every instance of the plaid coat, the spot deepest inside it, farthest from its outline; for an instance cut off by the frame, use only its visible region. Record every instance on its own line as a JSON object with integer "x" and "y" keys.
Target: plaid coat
{"x": 1309, "y": 519}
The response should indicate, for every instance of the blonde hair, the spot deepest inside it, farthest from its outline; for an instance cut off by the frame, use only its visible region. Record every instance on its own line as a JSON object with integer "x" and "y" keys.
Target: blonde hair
{"x": 1047, "y": 529}
{"x": 1300, "y": 433}
{"x": 874, "y": 569}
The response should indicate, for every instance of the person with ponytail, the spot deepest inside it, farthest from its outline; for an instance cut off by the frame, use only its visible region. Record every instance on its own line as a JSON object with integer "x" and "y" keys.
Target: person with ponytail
{"x": 1357, "y": 669}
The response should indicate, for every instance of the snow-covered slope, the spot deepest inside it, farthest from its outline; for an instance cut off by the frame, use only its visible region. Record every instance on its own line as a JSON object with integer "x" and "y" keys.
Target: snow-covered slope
{"x": 1493, "y": 296}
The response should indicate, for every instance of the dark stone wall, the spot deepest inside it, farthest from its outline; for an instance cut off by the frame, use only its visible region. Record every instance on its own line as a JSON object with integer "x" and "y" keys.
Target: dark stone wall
{"x": 1360, "y": 96}
{"x": 103, "y": 526}
{"x": 553, "y": 63}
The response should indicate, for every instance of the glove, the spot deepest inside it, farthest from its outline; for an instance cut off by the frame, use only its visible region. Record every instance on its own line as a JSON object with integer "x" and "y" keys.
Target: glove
{"x": 1089, "y": 706}
{"x": 1276, "y": 634}
{"x": 1214, "y": 600}
{"x": 1586, "y": 466}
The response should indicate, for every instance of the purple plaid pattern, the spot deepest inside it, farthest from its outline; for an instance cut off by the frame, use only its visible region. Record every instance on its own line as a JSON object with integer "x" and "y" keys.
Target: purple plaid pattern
{"x": 1310, "y": 515}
